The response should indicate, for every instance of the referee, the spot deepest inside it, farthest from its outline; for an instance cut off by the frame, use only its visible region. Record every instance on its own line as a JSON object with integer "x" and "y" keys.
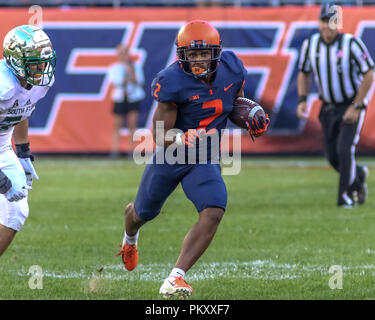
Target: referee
{"x": 343, "y": 72}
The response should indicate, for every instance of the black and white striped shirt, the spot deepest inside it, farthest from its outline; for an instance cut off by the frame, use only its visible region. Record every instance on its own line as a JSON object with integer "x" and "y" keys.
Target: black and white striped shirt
{"x": 337, "y": 67}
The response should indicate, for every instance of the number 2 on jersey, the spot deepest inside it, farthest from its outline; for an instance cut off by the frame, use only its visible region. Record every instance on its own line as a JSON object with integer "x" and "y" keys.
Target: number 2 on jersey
{"x": 218, "y": 105}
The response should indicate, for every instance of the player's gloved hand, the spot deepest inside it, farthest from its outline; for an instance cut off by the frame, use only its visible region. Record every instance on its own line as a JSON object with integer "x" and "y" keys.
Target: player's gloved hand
{"x": 29, "y": 179}
{"x": 25, "y": 157}
{"x": 258, "y": 127}
{"x": 189, "y": 138}
{"x": 10, "y": 191}
{"x": 17, "y": 193}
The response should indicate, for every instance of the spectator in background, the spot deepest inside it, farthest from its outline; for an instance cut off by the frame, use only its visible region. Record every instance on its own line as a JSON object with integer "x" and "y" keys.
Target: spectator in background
{"x": 126, "y": 97}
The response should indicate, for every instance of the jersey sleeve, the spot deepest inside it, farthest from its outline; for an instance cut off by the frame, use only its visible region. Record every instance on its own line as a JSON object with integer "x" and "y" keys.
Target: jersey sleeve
{"x": 2, "y": 107}
{"x": 7, "y": 89}
{"x": 361, "y": 55}
{"x": 236, "y": 66}
{"x": 304, "y": 64}
{"x": 243, "y": 73}
{"x": 165, "y": 88}
{"x": 7, "y": 92}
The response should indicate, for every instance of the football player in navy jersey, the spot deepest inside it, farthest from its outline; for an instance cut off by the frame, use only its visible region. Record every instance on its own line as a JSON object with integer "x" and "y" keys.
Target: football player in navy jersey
{"x": 195, "y": 96}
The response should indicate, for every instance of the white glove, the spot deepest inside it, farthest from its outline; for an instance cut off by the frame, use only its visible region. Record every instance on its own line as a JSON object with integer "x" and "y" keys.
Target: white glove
{"x": 28, "y": 167}
{"x": 29, "y": 180}
{"x": 16, "y": 194}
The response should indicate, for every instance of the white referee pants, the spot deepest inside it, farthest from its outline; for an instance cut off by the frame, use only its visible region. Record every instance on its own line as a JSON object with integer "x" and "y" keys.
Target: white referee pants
{"x": 12, "y": 214}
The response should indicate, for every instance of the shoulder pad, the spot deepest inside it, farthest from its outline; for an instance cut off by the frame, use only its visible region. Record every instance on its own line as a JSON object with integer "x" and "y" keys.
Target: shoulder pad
{"x": 233, "y": 62}
{"x": 166, "y": 85}
{"x": 7, "y": 87}
{"x": 7, "y": 90}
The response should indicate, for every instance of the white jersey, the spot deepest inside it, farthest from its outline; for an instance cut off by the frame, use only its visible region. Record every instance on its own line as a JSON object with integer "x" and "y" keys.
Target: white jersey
{"x": 133, "y": 91}
{"x": 16, "y": 102}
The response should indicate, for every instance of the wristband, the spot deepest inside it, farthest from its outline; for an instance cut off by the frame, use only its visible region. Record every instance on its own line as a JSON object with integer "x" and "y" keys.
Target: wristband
{"x": 302, "y": 99}
{"x": 23, "y": 150}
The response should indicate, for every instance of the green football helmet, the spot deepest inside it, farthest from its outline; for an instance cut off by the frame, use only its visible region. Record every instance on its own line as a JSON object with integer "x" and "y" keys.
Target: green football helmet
{"x": 29, "y": 54}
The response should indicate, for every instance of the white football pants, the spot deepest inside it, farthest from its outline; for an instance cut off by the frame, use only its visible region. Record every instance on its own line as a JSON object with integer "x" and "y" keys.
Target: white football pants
{"x": 12, "y": 214}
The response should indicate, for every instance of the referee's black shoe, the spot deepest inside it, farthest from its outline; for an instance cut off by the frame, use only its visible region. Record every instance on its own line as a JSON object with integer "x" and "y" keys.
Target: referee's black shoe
{"x": 362, "y": 193}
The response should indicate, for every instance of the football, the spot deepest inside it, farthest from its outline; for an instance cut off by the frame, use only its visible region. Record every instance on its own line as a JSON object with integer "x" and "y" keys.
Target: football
{"x": 245, "y": 110}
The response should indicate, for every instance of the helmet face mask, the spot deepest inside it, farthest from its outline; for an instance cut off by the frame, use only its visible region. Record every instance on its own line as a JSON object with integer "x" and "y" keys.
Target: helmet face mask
{"x": 29, "y": 54}
{"x": 40, "y": 71}
{"x": 198, "y": 35}
{"x": 199, "y": 73}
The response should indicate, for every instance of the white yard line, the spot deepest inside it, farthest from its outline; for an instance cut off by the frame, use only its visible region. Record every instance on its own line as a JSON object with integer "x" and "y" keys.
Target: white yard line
{"x": 257, "y": 269}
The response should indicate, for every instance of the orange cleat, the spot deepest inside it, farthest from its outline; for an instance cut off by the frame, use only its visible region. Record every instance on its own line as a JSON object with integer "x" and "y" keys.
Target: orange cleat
{"x": 129, "y": 255}
{"x": 176, "y": 287}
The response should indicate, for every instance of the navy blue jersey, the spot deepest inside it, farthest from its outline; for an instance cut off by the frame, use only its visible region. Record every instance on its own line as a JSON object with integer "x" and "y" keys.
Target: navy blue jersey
{"x": 201, "y": 106}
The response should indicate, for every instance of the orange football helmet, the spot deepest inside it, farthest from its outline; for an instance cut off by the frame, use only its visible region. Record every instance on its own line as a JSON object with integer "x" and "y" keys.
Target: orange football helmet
{"x": 198, "y": 35}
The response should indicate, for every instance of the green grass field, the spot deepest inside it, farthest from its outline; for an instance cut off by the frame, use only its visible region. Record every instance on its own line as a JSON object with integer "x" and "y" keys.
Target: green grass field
{"x": 279, "y": 237}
